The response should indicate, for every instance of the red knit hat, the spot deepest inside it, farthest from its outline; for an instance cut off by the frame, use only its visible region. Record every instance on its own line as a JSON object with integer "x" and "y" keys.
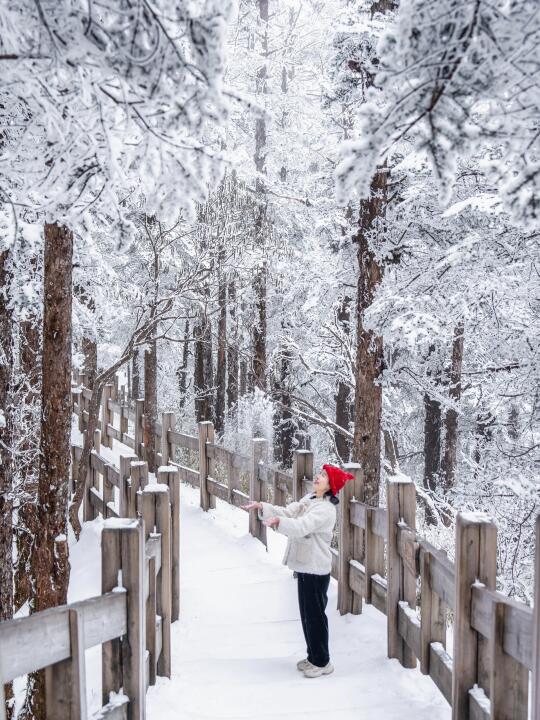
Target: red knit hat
{"x": 337, "y": 477}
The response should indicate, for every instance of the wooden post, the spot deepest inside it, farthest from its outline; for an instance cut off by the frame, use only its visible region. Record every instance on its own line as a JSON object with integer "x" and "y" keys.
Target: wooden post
{"x": 302, "y": 468}
{"x": 106, "y": 418}
{"x": 345, "y": 592}
{"x": 164, "y": 594}
{"x": 357, "y": 533}
{"x": 138, "y": 431}
{"x": 259, "y": 451}
{"x": 509, "y": 682}
{"x": 373, "y": 553}
{"x": 168, "y": 422}
{"x": 123, "y": 549}
{"x": 92, "y": 480}
{"x": 535, "y": 679}
{"x": 432, "y": 614}
{"x": 124, "y": 415}
{"x": 138, "y": 480}
{"x": 65, "y": 681}
{"x": 151, "y": 613}
{"x": 401, "y": 579}
{"x": 108, "y": 491}
{"x": 279, "y": 496}
{"x": 206, "y": 434}
{"x": 476, "y": 548}
{"x": 123, "y": 494}
{"x": 171, "y": 477}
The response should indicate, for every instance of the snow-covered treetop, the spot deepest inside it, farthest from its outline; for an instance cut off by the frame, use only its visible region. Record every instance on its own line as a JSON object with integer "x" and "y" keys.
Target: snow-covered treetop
{"x": 455, "y": 76}
{"x": 99, "y": 99}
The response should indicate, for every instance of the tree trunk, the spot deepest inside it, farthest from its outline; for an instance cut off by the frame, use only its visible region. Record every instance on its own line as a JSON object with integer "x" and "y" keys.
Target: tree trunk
{"x": 284, "y": 426}
{"x": 89, "y": 350}
{"x": 150, "y": 404}
{"x": 232, "y": 352}
{"x": 6, "y": 442}
{"x": 221, "y": 363}
{"x": 27, "y": 519}
{"x": 366, "y": 448}
{"x": 432, "y": 449}
{"x": 135, "y": 375}
{"x": 343, "y": 394}
{"x": 259, "y": 284}
{"x": 451, "y": 417}
{"x": 182, "y": 369}
{"x": 50, "y": 566}
{"x": 203, "y": 371}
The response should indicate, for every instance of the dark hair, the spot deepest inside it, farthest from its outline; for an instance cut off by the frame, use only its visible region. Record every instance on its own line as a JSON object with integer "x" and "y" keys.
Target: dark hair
{"x": 333, "y": 498}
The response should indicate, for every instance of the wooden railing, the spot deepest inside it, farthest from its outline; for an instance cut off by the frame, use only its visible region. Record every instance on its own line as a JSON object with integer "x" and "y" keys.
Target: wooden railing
{"x": 382, "y": 561}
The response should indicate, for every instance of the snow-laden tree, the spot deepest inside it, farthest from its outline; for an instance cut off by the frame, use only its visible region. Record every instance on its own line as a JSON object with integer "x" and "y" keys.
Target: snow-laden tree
{"x": 456, "y": 76}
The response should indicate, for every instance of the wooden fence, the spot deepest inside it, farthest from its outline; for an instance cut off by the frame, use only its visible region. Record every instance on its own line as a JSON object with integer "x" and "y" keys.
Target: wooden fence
{"x": 382, "y": 561}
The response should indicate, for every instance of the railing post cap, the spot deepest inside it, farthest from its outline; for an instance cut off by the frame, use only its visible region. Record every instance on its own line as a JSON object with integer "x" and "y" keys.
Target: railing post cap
{"x": 467, "y": 518}
{"x": 122, "y": 524}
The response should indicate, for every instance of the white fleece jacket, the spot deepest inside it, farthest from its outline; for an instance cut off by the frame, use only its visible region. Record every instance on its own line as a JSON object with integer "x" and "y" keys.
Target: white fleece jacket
{"x": 308, "y": 525}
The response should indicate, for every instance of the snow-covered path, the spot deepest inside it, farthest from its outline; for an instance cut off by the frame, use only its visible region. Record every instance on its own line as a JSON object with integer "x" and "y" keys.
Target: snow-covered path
{"x": 236, "y": 644}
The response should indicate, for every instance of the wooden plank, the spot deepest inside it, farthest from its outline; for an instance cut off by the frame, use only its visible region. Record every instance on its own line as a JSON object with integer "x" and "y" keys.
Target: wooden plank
{"x": 31, "y": 643}
{"x": 408, "y": 548}
{"x": 401, "y": 501}
{"x": 128, "y": 440}
{"x": 164, "y": 587}
{"x": 217, "y": 452}
{"x": 151, "y": 611}
{"x": 380, "y": 523}
{"x": 357, "y": 577}
{"x": 168, "y": 422}
{"x": 65, "y": 681}
{"x": 379, "y": 593}
{"x": 206, "y": 435}
{"x": 440, "y": 670}
{"x": 374, "y": 552}
{"x": 518, "y": 625}
{"x": 133, "y": 675}
{"x": 111, "y": 653}
{"x": 358, "y": 513}
{"x": 475, "y": 546}
{"x": 188, "y": 474}
{"x": 302, "y": 467}
{"x": 432, "y": 614}
{"x": 218, "y": 489}
{"x": 169, "y": 475}
{"x": 189, "y": 442}
{"x": 124, "y": 475}
{"x": 509, "y": 679}
{"x": 358, "y": 535}
{"x": 152, "y": 549}
{"x": 113, "y": 475}
{"x": 259, "y": 451}
{"x": 96, "y": 501}
{"x": 346, "y": 554}
{"x": 106, "y": 416}
{"x": 409, "y": 627}
{"x": 239, "y": 497}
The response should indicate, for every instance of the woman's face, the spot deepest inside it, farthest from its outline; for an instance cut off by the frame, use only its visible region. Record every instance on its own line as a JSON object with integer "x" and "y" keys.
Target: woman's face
{"x": 320, "y": 482}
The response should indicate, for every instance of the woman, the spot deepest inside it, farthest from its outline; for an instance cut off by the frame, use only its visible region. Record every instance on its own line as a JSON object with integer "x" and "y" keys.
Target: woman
{"x": 308, "y": 525}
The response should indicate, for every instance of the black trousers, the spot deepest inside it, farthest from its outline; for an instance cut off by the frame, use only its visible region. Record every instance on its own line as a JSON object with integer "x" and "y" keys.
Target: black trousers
{"x": 312, "y": 600}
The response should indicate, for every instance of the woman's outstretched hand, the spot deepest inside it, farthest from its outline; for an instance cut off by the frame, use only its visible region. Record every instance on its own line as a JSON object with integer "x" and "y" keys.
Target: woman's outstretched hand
{"x": 252, "y": 506}
{"x": 271, "y": 522}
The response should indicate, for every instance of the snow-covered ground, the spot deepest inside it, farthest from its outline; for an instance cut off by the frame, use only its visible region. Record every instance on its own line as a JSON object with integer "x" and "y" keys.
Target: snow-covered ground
{"x": 235, "y": 647}
{"x": 236, "y": 644}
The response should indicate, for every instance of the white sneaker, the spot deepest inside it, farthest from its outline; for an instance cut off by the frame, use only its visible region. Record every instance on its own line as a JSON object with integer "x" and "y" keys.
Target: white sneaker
{"x": 303, "y": 664}
{"x": 315, "y": 671}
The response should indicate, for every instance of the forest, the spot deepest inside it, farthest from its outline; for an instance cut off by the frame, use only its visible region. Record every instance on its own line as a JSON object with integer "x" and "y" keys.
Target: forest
{"x": 313, "y": 221}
